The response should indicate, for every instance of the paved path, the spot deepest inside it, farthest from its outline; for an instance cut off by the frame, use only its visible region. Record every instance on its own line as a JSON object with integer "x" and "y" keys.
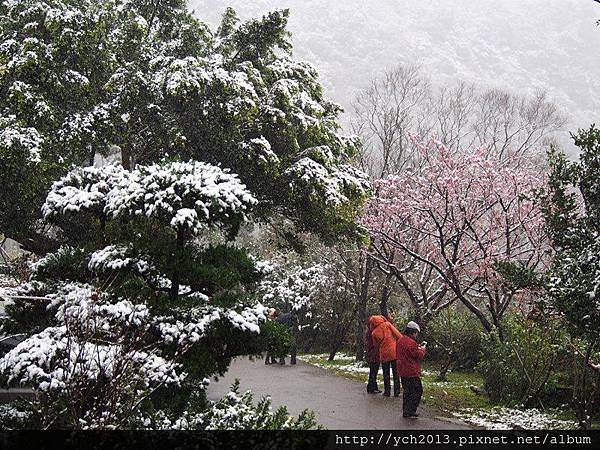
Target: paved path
{"x": 338, "y": 403}
{"x": 12, "y": 394}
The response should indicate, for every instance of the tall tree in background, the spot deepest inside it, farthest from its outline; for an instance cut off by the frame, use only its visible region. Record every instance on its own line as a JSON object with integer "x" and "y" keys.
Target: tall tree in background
{"x": 146, "y": 79}
{"x": 403, "y": 100}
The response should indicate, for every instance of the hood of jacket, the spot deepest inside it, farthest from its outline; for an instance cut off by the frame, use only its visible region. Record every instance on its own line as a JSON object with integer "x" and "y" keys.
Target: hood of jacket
{"x": 375, "y": 321}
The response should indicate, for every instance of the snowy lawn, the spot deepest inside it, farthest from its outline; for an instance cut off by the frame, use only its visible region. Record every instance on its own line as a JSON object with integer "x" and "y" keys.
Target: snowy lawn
{"x": 453, "y": 397}
{"x": 503, "y": 418}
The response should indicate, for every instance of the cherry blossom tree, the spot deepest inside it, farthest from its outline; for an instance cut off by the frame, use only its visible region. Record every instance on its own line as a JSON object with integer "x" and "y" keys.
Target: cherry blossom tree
{"x": 442, "y": 230}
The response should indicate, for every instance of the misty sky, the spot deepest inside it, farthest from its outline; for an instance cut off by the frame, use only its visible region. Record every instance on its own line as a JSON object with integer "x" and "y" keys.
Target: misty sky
{"x": 523, "y": 45}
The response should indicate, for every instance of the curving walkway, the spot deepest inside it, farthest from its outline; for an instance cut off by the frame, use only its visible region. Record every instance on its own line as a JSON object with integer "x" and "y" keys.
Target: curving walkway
{"x": 338, "y": 403}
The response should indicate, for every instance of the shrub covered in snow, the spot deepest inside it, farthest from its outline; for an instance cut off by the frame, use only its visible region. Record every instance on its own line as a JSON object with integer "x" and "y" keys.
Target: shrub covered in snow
{"x": 237, "y": 411}
{"x": 572, "y": 209}
{"x": 15, "y": 415}
{"x": 119, "y": 319}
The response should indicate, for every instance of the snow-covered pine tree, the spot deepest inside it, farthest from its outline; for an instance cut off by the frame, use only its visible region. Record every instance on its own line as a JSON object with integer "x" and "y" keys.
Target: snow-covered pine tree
{"x": 147, "y": 79}
{"x": 147, "y": 294}
{"x": 572, "y": 209}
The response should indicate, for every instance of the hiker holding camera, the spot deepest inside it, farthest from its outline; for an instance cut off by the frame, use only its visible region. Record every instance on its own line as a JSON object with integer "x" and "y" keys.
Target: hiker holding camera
{"x": 409, "y": 355}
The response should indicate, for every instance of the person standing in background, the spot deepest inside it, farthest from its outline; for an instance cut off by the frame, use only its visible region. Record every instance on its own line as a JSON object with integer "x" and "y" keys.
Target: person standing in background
{"x": 291, "y": 321}
{"x": 385, "y": 335}
{"x": 372, "y": 354}
{"x": 273, "y": 313}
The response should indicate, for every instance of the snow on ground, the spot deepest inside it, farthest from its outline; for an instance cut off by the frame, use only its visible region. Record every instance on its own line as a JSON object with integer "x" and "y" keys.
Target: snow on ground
{"x": 497, "y": 418}
{"x": 5, "y": 282}
{"x": 504, "y": 418}
{"x": 350, "y": 366}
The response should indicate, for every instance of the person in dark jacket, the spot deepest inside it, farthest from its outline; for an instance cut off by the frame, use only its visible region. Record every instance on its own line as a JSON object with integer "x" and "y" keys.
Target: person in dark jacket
{"x": 385, "y": 335}
{"x": 270, "y": 359}
{"x": 409, "y": 355}
{"x": 372, "y": 354}
{"x": 291, "y": 321}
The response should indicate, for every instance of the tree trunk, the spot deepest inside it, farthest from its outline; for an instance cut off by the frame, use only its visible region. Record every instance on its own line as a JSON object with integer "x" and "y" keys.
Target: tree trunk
{"x": 126, "y": 158}
{"x": 363, "y": 299}
{"x": 176, "y": 263}
{"x": 336, "y": 343}
{"x": 360, "y": 343}
{"x": 340, "y": 334}
{"x": 333, "y": 351}
{"x": 498, "y": 326}
{"x": 385, "y": 295}
{"x": 583, "y": 399}
{"x": 445, "y": 367}
{"x": 92, "y": 157}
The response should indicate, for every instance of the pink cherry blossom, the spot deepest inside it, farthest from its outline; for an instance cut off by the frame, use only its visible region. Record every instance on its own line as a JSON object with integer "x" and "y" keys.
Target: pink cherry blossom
{"x": 451, "y": 220}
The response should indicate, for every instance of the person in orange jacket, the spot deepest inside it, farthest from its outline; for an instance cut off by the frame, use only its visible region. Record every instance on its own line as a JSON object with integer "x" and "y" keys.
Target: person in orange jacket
{"x": 372, "y": 356}
{"x": 384, "y": 335}
{"x": 409, "y": 355}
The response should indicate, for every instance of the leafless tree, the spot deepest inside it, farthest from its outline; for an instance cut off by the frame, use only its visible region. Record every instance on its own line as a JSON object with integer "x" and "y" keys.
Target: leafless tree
{"x": 462, "y": 115}
{"x": 511, "y": 125}
{"x": 385, "y": 112}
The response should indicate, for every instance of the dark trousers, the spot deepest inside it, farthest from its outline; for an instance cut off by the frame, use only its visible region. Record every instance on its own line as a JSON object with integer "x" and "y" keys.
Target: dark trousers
{"x": 387, "y": 366}
{"x": 372, "y": 384}
{"x": 411, "y": 397}
{"x": 293, "y": 353}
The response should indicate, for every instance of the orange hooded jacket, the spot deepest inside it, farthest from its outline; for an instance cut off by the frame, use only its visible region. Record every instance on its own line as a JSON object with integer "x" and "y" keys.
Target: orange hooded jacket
{"x": 384, "y": 336}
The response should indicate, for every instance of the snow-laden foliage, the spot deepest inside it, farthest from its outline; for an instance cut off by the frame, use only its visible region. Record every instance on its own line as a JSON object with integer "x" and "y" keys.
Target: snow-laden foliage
{"x": 322, "y": 179}
{"x": 575, "y": 280}
{"x": 198, "y": 320}
{"x": 97, "y": 343}
{"x": 13, "y": 417}
{"x": 318, "y": 297}
{"x": 47, "y": 123}
{"x": 572, "y": 212}
{"x": 133, "y": 309}
{"x": 28, "y": 138}
{"x": 211, "y": 125}
{"x": 185, "y": 195}
{"x": 116, "y": 257}
{"x": 235, "y": 411}
{"x": 51, "y": 361}
{"x": 82, "y": 189}
{"x": 49, "y": 260}
{"x": 294, "y": 288}
{"x": 152, "y": 82}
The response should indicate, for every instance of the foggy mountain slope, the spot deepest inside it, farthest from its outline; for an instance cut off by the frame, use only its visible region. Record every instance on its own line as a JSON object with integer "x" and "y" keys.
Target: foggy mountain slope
{"x": 516, "y": 44}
